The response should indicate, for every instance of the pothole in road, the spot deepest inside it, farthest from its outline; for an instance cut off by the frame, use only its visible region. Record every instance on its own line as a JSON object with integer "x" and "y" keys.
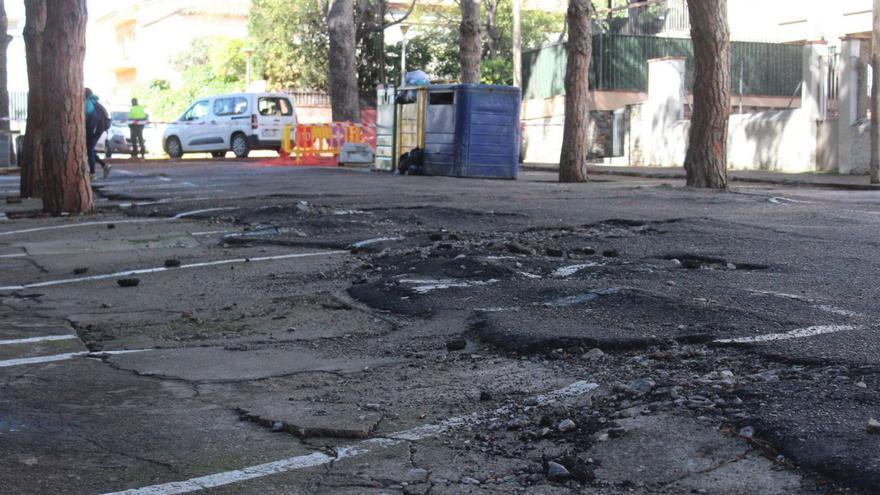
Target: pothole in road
{"x": 418, "y": 287}
{"x": 697, "y": 261}
{"x": 611, "y": 318}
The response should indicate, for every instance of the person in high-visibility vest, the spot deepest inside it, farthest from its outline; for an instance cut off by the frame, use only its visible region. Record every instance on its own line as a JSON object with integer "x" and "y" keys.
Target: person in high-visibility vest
{"x": 137, "y": 118}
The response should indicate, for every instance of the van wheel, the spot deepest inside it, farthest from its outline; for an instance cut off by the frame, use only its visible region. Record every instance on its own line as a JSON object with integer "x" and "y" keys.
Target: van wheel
{"x": 240, "y": 146}
{"x": 218, "y": 154}
{"x": 173, "y": 147}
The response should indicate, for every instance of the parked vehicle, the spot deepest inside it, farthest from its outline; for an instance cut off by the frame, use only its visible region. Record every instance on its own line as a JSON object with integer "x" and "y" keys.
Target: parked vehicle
{"x": 238, "y": 122}
{"x": 117, "y": 139}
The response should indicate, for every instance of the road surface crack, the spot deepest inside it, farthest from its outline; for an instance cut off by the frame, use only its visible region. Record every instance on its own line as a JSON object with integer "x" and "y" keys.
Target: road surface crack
{"x": 136, "y": 457}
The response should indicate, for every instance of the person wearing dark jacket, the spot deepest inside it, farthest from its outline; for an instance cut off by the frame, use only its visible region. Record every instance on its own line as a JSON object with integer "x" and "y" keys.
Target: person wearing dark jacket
{"x": 97, "y": 123}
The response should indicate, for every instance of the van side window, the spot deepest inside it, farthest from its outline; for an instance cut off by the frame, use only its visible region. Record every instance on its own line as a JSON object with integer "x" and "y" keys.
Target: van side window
{"x": 240, "y": 106}
{"x": 222, "y": 106}
{"x": 198, "y": 111}
{"x": 230, "y": 106}
{"x": 274, "y": 106}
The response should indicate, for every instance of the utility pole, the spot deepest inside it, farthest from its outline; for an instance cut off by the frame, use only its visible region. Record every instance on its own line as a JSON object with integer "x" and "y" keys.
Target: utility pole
{"x": 403, "y": 29}
{"x": 248, "y": 53}
{"x": 517, "y": 44}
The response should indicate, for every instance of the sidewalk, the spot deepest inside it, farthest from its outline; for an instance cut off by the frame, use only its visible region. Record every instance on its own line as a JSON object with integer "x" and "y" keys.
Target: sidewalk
{"x": 827, "y": 180}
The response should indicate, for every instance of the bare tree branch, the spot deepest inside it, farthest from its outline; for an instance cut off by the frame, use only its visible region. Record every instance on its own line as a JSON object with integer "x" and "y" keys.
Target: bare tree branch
{"x": 412, "y": 6}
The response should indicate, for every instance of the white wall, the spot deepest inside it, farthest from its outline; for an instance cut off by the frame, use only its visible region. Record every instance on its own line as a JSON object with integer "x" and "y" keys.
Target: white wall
{"x": 780, "y": 141}
{"x": 857, "y": 155}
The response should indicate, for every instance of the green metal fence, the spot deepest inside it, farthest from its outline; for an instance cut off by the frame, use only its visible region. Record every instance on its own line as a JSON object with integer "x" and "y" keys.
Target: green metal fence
{"x": 620, "y": 63}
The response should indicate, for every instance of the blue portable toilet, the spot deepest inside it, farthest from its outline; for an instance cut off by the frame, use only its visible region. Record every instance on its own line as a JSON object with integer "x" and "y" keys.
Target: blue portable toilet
{"x": 472, "y": 130}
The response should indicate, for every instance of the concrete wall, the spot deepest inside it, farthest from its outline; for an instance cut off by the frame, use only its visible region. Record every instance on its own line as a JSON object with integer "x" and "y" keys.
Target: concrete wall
{"x": 779, "y": 141}
{"x": 543, "y": 121}
{"x": 853, "y": 132}
{"x": 857, "y": 155}
{"x": 775, "y": 140}
{"x": 795, "y": 140}
{"x": 542, "y": 138}
{"x": 827, "y": 145}
{"x": 770, "y": 141}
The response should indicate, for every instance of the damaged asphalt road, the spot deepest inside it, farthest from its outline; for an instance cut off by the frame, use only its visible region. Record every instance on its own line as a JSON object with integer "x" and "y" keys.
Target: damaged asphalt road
{"x": 338, "y": 331}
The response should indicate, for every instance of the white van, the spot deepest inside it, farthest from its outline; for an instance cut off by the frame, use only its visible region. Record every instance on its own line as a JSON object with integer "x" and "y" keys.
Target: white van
{"x": 239, "y": 122}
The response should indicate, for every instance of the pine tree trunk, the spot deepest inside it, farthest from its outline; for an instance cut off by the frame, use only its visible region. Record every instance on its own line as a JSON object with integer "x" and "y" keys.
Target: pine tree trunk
{"x": 344, "y": 96}
{"x": 66, "y": 186}
{"x": 380, "y": 55}
{"x": 517, "y": 43}
{"x": 470, "y": 51}
{"x": 706, "y": 160}
{"x": 32, "y": 151}
{"x": 875, "y": 96}
{"x": 575, "y": 134}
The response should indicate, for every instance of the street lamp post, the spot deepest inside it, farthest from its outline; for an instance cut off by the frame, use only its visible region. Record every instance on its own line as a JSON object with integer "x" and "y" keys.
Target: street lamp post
{"x": 403, "y": 29}
{"x": 248, "y": 53}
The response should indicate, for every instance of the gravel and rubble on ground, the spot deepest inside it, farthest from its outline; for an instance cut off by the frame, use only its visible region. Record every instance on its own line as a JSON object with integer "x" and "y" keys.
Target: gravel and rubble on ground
{"x": 339, "y": 331}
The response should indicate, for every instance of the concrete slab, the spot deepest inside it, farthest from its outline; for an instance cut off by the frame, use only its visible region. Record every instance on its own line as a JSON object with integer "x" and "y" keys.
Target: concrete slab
{"x": 311, "y": 419}
{"x": 659, "y": 450}
{"x": 42, "y": 348}
{"x": 211, "y": 364}
{"x": 169, "y": 241}
{"x": 752, "y": 474}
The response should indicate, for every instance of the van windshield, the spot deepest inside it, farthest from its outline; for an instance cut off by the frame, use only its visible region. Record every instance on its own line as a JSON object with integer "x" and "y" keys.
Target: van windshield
{"x": 274, "y": 106}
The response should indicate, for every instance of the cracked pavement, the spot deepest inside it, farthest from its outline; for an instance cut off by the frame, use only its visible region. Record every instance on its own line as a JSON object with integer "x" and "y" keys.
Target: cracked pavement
{"x": 315, "y": 330}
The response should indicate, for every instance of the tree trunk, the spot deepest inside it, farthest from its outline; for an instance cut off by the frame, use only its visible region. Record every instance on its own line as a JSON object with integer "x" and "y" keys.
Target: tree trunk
{"x": 344, "y": 96}
{"x": 493, "y": 35}
{"x": 32, "y": 151}
{"x": 575, "y": 134}
{"x": 875, "y": 96}
{"x": 66, "y": 186}
{"x": 470, "y": 51}
{"x": 517, "y": 43}
{"x": 706, "y": 160}
{"x": 380, "y": 55}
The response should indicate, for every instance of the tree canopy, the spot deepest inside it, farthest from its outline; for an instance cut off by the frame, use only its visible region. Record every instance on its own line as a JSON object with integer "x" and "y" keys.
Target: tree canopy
{"x": 210, "y": 65}
{"x": 290, "y": 37}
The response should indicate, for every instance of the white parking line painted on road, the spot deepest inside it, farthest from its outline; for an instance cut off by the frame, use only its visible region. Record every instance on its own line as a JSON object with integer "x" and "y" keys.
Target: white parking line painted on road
{"x": 64, "y": 357}
{"x": 424, "y": 286}
{"x": 816, "y": 303}
{"x": 838, "y": 311}
{"x": 779, "y": 200}
{"x": 16, "y": 255}
{"x": 346, "y": 452}
{"x": 793, "y": 334}
{"x": 40, "y": 359}
{"x": 210, "y": 232}
{"x": 29, "y": 340}
{"x": 205, "y": 210}
{"x": 81, "y": 224}
{"x": 142, "y": 271}
{"x": 117, "y": 222}
{"x": 780, "y": 294}
{"x": 376, "y": 240}
{"x": 567, "y": 271}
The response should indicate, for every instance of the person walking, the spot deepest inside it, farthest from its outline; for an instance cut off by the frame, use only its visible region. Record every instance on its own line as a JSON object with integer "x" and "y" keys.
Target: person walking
{"x": 97, "y": 123}
{"x": 137, "y": 118}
